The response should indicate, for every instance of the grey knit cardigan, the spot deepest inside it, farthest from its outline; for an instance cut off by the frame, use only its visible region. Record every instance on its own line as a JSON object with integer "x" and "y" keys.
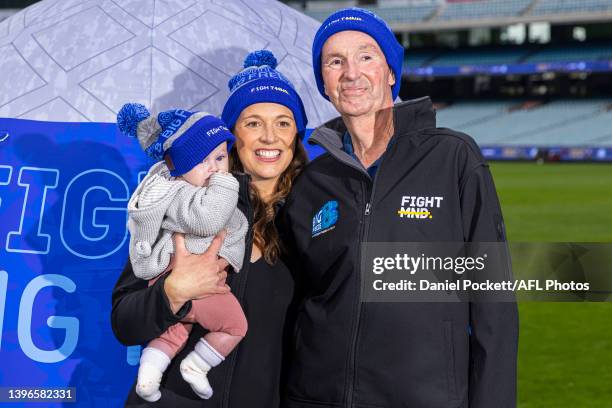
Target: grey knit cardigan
{"x": 162, "y": 205}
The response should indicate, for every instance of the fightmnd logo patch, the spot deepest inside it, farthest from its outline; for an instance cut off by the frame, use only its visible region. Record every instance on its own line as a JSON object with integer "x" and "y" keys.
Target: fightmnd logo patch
{"x": 418, "y": 206}
{"x": 325, "y": 220}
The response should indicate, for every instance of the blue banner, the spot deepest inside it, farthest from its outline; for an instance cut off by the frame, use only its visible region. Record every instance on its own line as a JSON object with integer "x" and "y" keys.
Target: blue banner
{"x": 64, "y": 189}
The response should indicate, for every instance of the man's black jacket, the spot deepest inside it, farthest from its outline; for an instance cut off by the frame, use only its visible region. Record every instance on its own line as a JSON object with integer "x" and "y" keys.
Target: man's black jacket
{"x": 371, "y": 355}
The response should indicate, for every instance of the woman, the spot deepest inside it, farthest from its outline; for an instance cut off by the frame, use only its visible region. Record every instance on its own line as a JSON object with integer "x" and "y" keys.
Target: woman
{"x": 267, "y": 117}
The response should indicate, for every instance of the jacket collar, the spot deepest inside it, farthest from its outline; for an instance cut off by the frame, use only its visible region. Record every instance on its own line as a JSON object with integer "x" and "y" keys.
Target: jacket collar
{"x": 408, "y": 116}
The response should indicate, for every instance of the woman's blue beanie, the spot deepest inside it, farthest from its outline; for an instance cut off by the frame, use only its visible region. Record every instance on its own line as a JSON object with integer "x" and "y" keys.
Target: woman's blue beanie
{"x": 358, "y": 19}
{"x": 259, "y": 82}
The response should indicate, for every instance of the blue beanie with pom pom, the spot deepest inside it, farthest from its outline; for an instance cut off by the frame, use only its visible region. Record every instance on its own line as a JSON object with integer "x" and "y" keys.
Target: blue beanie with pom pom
{"x": 358, "y": 19}
{"x": 182, "y": 138}
{"x": 260, "y": 82}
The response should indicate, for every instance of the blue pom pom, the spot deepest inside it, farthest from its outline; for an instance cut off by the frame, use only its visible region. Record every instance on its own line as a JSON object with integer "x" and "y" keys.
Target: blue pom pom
{"x": 129, "y": 116}
{"x": 259, "y": 58}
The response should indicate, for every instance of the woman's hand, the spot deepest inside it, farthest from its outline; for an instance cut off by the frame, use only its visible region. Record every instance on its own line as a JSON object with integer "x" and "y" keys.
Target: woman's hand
{"x": 195, "y": 276}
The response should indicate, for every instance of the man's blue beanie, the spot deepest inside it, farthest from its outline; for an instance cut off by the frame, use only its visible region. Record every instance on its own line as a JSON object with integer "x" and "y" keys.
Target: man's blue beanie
{"x": 259, "y": 82}
{"x": 357, "y": 19}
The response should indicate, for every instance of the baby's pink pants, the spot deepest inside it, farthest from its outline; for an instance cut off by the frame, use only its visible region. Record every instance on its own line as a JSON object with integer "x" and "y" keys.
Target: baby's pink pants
{"x": 219, "y": 313}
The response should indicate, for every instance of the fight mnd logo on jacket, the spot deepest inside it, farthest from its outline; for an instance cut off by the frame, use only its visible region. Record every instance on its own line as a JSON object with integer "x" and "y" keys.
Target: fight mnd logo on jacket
{"x": 418, "y": 206}
{"x": 325, "y": 220}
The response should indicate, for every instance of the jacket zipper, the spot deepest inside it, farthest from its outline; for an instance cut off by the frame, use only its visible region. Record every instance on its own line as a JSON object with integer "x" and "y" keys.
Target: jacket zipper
{"x": 363, "y": 233}
{"x": 365, "y": 221}
{"x": 241, "y": 287}
{"x": 351, "y": 374}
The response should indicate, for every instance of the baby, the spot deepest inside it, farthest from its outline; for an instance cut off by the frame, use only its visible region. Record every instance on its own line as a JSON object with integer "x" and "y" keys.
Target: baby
{"x": 191, "y": 192}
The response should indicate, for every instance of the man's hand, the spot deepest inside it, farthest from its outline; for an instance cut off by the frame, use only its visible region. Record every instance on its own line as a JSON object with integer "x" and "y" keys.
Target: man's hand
{"x": 195, "y": 276}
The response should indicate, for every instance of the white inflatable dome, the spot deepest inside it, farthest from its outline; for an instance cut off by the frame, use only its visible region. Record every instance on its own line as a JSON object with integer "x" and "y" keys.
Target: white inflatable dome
{"x": 80, "y": 60}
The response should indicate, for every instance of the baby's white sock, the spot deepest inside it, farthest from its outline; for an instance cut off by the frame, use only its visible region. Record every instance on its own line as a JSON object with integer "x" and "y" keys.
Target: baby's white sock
{"x": 153, "y": 363}
{"x": 195, "y": 367}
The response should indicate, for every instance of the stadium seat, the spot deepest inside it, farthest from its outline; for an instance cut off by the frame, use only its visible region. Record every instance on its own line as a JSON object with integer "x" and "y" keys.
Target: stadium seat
{"x": 391, "y": 14}
{"x": 479, "y": 57}
{"x": 419, "y": 58}
{"x": 559, "y": 123}
{"x": 546, "y": 7}
{"x": 482, "y": 9}
{"x": 584, "y": 52}
{"x": 460, "y": 115}
{"x": 407, "y": 11}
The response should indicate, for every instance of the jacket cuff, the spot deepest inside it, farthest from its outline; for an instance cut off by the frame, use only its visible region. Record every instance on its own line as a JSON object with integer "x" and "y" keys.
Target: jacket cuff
{"x": 168, "y": 314}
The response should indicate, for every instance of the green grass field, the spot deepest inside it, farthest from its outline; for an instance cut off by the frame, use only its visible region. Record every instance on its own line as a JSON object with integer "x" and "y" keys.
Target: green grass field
{"x": 565, "y": 349}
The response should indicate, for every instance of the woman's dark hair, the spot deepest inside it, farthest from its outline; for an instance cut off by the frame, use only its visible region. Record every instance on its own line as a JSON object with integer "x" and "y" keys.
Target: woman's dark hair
{"x": 265, "y": 235}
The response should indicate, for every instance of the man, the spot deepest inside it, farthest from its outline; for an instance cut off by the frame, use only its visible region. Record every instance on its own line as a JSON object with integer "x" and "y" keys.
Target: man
{"x": 350, "y": 353}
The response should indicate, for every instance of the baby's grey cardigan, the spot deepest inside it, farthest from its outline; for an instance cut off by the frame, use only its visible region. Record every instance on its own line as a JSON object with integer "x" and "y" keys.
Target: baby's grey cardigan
{"x": 162, "y": 205}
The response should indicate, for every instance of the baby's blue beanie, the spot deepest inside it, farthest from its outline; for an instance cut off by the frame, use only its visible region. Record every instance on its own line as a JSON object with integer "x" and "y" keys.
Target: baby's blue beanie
{"x": 259, "y": 82}
{"x": 357, "y": 19}
{"x": 183, "y": 137}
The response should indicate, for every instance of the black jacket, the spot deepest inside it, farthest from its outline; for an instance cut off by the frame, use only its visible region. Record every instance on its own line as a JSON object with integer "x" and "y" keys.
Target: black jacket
{"x": 251, "y": 374}
{"x": 374, "y": 355}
